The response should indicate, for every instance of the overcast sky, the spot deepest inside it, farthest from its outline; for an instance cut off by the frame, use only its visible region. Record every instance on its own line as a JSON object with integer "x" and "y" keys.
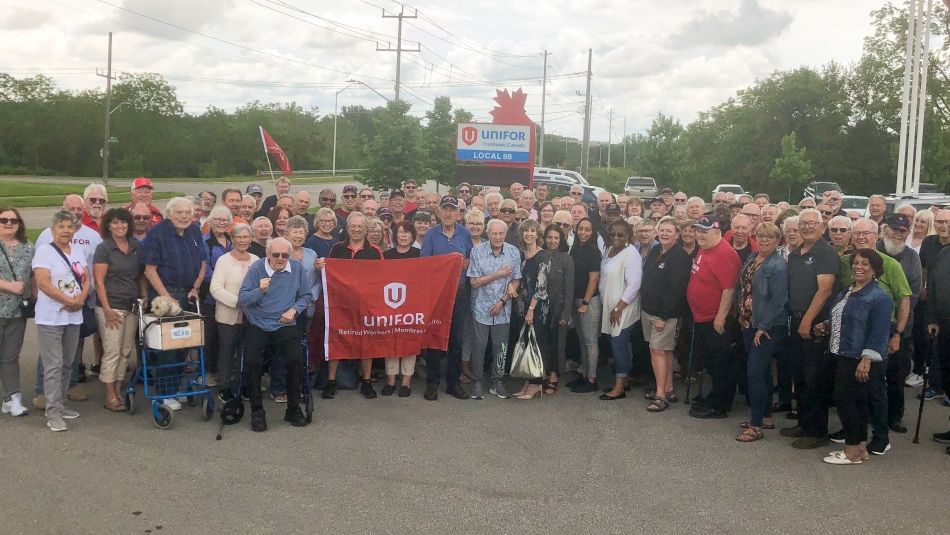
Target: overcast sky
{"x": 677, "y": 57}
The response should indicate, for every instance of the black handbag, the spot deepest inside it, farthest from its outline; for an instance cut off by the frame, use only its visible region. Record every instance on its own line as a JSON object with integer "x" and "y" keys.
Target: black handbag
{"x": 90, "y": 325}
{"x": 27, "y": 303}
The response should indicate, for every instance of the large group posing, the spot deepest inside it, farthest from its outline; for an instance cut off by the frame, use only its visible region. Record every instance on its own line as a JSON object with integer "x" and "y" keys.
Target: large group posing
{"x": 795, "y": 308}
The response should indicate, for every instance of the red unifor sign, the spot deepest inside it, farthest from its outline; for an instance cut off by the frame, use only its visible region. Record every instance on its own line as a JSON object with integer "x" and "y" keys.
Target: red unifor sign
{"x": 388, "y": 308}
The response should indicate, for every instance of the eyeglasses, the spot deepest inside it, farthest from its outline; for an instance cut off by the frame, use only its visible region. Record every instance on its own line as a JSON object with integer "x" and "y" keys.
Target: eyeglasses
{"x": 617, "y": 235}
{"x": 280, "y": 255}
{"x": 9, "y": 221}
{"x": 349, "y": 196}
{"x": 679, "y": 201}
{"x": 827, "y": 212}
{"x": 327, "y": 199}
{"x": 142, "y": 217}
{"x": 96, "y": 200}
{"x": 521, "y": 219}
{"x": 507, "y": 210}
{"x": 386, "y": 218}
{"x": 838, "y": 230}
{"x": 577, "y": 193}
{"x": 563, "y": 225}
{"x": 807, "y": 224}
{"x": 863, "y": 233}
{"x": 366, "y": 196}
{"x": 464, "y": 191}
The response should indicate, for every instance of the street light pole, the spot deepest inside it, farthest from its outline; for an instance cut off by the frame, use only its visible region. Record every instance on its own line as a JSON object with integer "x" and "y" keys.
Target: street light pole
{"x": 336, "y": 99}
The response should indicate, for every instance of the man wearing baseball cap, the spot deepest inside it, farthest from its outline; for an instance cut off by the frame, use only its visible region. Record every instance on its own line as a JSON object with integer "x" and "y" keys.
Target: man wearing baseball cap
{"x": 448, "y": 237}
{"x": 256, "y": 191}
{"x": 709, "y": 294}
{"x": 351, "y": 201}
{"x": 142, "y": 192}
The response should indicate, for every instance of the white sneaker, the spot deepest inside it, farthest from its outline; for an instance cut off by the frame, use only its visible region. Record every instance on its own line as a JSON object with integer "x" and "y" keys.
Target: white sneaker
{"x": 56, "y": 424}
{"x": 70, "y": 414}
{"x": 172, "y": 404}
{"x": 15, "y": 406}
{"x": 913, "y": 380}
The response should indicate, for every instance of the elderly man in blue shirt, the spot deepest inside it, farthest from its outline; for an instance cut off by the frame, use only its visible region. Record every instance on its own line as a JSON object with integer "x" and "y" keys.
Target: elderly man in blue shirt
{"x": 495, "y": 273}
{"x": 275, "y": 291}
{"x": 449, "y": 238}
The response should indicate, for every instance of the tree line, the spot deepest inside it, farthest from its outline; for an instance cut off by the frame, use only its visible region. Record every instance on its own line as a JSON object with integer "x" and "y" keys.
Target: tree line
{"x": 833, "y": 122}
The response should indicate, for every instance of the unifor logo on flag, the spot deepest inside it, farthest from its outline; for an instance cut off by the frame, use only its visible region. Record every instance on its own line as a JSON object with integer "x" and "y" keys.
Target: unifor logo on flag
{"x": 388, "y": 308}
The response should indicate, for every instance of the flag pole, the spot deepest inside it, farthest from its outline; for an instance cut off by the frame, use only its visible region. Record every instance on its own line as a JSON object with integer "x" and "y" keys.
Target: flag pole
{"x": 266, "y": 154}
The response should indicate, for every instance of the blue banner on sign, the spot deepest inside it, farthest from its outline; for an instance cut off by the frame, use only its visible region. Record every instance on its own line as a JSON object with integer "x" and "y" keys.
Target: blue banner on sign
{"x": 491, "y": 156}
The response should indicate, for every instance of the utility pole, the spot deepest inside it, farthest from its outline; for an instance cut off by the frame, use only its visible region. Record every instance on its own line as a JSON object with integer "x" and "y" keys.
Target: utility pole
{"x": 108, "y": 114}
{"x": 624, "y": 142}
{"x": 914, "y": 97}
{"x": 585, "y": 146}
{"x": 399, "y": 49}
{"x": 544, "y": 93}
{"x": 610, "y": 134}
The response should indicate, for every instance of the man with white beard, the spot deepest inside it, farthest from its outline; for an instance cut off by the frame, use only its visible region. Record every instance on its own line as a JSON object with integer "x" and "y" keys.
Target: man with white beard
{"x": 893, "y": 244}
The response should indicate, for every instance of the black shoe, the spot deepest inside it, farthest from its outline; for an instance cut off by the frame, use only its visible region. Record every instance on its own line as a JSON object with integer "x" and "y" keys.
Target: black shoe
{"x": 455, "y": 390}
{"x": 295, "y": 416}
{"x": 81, "y": 378}
{"x": 837, "y": 437}
{"x": 792, "y": 415}
{"x": 607, "y": 397}
{"x": 258, "y": 421}
{"x": 705, "y": 413}
{"x": 698, "y": 401}
{"x": 576, "y": 383}
{"x": 388, "y": 390}
{"x": 792, "y": 432}
{"x": 898, "y": 427}
{"x": 225, "y": 395}
{"x": 432, "y": 392}
{"x": 366, "y": 388}
{"x": 404, "y": 391}
{"x": 585, "y": 388}
{"x": 329, "y": 392}
{"x": 943, "y": 438}
{"x": 781, "y": 407}
{"x": 94, "y": 370}
{"x": 878, "y": 447}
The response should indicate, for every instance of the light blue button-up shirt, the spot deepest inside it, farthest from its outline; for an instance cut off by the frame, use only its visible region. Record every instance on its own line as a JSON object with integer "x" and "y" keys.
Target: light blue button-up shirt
{"x": 485, "y": 262}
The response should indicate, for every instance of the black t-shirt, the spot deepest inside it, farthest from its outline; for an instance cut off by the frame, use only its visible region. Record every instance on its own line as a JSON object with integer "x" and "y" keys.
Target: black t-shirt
{"x": 393, "y": 254}
{"x": 257, "y": 249}
{"x": 929, "y": 249}
{"x": 586, "y": 261}
{"x": 803, "y": 271}
{"x": 744, "y": 252}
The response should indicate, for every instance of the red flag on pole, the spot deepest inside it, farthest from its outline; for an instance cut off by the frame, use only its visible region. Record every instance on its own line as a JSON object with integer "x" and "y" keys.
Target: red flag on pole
{"x": 271, "y": 147}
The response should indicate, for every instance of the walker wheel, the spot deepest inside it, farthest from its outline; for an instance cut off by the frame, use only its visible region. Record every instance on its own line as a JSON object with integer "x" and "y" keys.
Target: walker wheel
{"x": 162, "y": 416}
{"x": 130, "y": 402}
{"x": 207, "y": 407}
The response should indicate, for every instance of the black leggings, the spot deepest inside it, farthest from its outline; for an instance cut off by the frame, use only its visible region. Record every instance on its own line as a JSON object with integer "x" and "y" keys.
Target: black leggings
{"x": 851, "y": 396}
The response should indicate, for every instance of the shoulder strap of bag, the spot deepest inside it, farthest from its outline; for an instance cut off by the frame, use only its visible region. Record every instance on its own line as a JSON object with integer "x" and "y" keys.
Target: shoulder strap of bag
{"x": 70, "y": 266}
{"x": 7, "y": 258}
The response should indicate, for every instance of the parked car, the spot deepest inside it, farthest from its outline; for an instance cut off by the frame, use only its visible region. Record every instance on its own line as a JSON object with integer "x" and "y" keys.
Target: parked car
{"x": 815, "y": 188}
{"x": 919, "y": 203}
{"x": 565, "y": 176}
{"x": 641, "y": 186}
{"x": 728, "y": 188}
{"x": 556, "y": 188}
{"x": 854, "y": 202}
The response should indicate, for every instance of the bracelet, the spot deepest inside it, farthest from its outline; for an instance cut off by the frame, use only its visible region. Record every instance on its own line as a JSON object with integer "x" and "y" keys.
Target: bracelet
{"x": 585, "y": 302}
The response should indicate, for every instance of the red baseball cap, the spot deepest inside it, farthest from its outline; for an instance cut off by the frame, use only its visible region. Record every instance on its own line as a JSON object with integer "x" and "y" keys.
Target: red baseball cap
{"x": 142, "y": 182}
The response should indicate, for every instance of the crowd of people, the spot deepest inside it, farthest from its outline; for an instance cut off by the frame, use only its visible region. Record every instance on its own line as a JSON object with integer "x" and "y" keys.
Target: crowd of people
{"x": 790, "y": 308}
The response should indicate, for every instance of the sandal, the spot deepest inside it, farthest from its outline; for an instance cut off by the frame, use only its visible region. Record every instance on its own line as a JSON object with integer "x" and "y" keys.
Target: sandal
{"x": 751, "y": 434}
{"x": 658, "y": 405}
{"x": 115, "y": 405}
{"x": 550, "y": 388}
{"x": 770, "y": 426}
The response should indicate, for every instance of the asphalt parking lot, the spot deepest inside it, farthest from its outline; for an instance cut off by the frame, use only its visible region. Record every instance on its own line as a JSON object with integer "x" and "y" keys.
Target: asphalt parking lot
{"x": 564, "y": 464}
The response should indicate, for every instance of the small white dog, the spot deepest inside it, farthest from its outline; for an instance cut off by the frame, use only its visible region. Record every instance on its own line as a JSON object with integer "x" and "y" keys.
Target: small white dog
{"x": 165, "y": 306}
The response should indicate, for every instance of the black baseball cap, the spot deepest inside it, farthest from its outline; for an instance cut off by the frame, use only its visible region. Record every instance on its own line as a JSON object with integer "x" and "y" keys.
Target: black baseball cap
{"x": 898, "y": 221}
{"x": 397, "y": 193}
{"x": 449, "y": 200}
{"x": 612, "y": 207}
{"x": 707, "y": 223}
{"x": 350, "y": 188}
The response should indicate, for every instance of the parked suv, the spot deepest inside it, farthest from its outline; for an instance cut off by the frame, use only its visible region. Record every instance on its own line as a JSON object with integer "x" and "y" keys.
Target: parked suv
{"x": 641, "y": 186}
{"x": 728, "y": 188}
{"x": 815, "y": 188}
{"x": 563, "y": 176}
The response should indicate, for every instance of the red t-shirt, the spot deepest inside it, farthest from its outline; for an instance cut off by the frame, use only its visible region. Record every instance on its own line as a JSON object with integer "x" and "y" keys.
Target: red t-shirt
{"x": 714, "y": 270}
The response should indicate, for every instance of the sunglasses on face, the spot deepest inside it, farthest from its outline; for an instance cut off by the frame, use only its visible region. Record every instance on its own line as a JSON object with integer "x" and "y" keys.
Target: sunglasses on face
{"x": 521, "y": 219}
{"x": 576, "y": 193}
{"x": 827, "y": 212}
{"x": 280, "y": 255}
{"x": 142, "y": 217}
{"x": 507, "y": 210}
{"x": 9, "y": 221}
{"x": 564, "y": 225}
{"x": 366, "y": 196}
{"x": 96, "y": 200}
{"x": 838, "y": 230}
{"x": 349, "y": 196}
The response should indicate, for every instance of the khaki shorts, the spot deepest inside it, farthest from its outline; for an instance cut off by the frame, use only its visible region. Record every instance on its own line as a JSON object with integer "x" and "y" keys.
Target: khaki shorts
{"x": 662, "y": 340}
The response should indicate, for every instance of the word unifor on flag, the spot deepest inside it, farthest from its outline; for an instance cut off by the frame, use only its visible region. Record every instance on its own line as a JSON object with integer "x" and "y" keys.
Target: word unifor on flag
{"x": 271, "y": 147}
{"x": 387, "y": 308}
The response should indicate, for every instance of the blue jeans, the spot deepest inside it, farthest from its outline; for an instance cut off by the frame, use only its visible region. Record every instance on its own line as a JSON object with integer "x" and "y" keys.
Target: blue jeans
{"x": 620, "y": 345}
{"x": 759, "y": 370}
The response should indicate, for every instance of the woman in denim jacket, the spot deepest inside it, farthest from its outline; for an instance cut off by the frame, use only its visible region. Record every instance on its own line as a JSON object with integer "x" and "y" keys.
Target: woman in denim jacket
{"x": 859, "y": 326}
{"x": 761, "y": 302}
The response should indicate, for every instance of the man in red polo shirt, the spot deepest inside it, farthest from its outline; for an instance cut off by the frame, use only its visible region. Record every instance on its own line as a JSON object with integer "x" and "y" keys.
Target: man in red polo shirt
{"x": 142, "y": 192}
{"x": 94, "y": 200}
{"x": 709, "y": 294}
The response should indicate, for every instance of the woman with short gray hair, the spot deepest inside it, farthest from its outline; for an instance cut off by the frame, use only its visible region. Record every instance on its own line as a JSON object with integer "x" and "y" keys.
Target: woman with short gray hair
{"x": 64, "y": 284}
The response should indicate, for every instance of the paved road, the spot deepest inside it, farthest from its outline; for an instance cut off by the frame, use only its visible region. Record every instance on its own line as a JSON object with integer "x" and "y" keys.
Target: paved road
{"x": 564, "y": 464}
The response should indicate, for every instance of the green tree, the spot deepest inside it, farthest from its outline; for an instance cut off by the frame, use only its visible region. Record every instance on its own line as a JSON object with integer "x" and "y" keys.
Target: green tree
{"x": 440, "y": 137}
{"x": 396, "y": 152}
{"x": 792, "y": 168}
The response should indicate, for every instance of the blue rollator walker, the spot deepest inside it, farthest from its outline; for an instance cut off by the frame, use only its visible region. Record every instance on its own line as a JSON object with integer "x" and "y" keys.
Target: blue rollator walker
{"x": 169, "y": 380}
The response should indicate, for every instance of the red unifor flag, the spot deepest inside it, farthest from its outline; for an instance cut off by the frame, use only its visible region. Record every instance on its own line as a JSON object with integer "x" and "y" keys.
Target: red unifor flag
{"x": 388, "y": 308}
{"x": 272, "y": 148}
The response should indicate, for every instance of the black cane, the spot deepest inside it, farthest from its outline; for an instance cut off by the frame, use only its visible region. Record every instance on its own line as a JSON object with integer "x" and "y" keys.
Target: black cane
{"x": 920, "y": 408}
